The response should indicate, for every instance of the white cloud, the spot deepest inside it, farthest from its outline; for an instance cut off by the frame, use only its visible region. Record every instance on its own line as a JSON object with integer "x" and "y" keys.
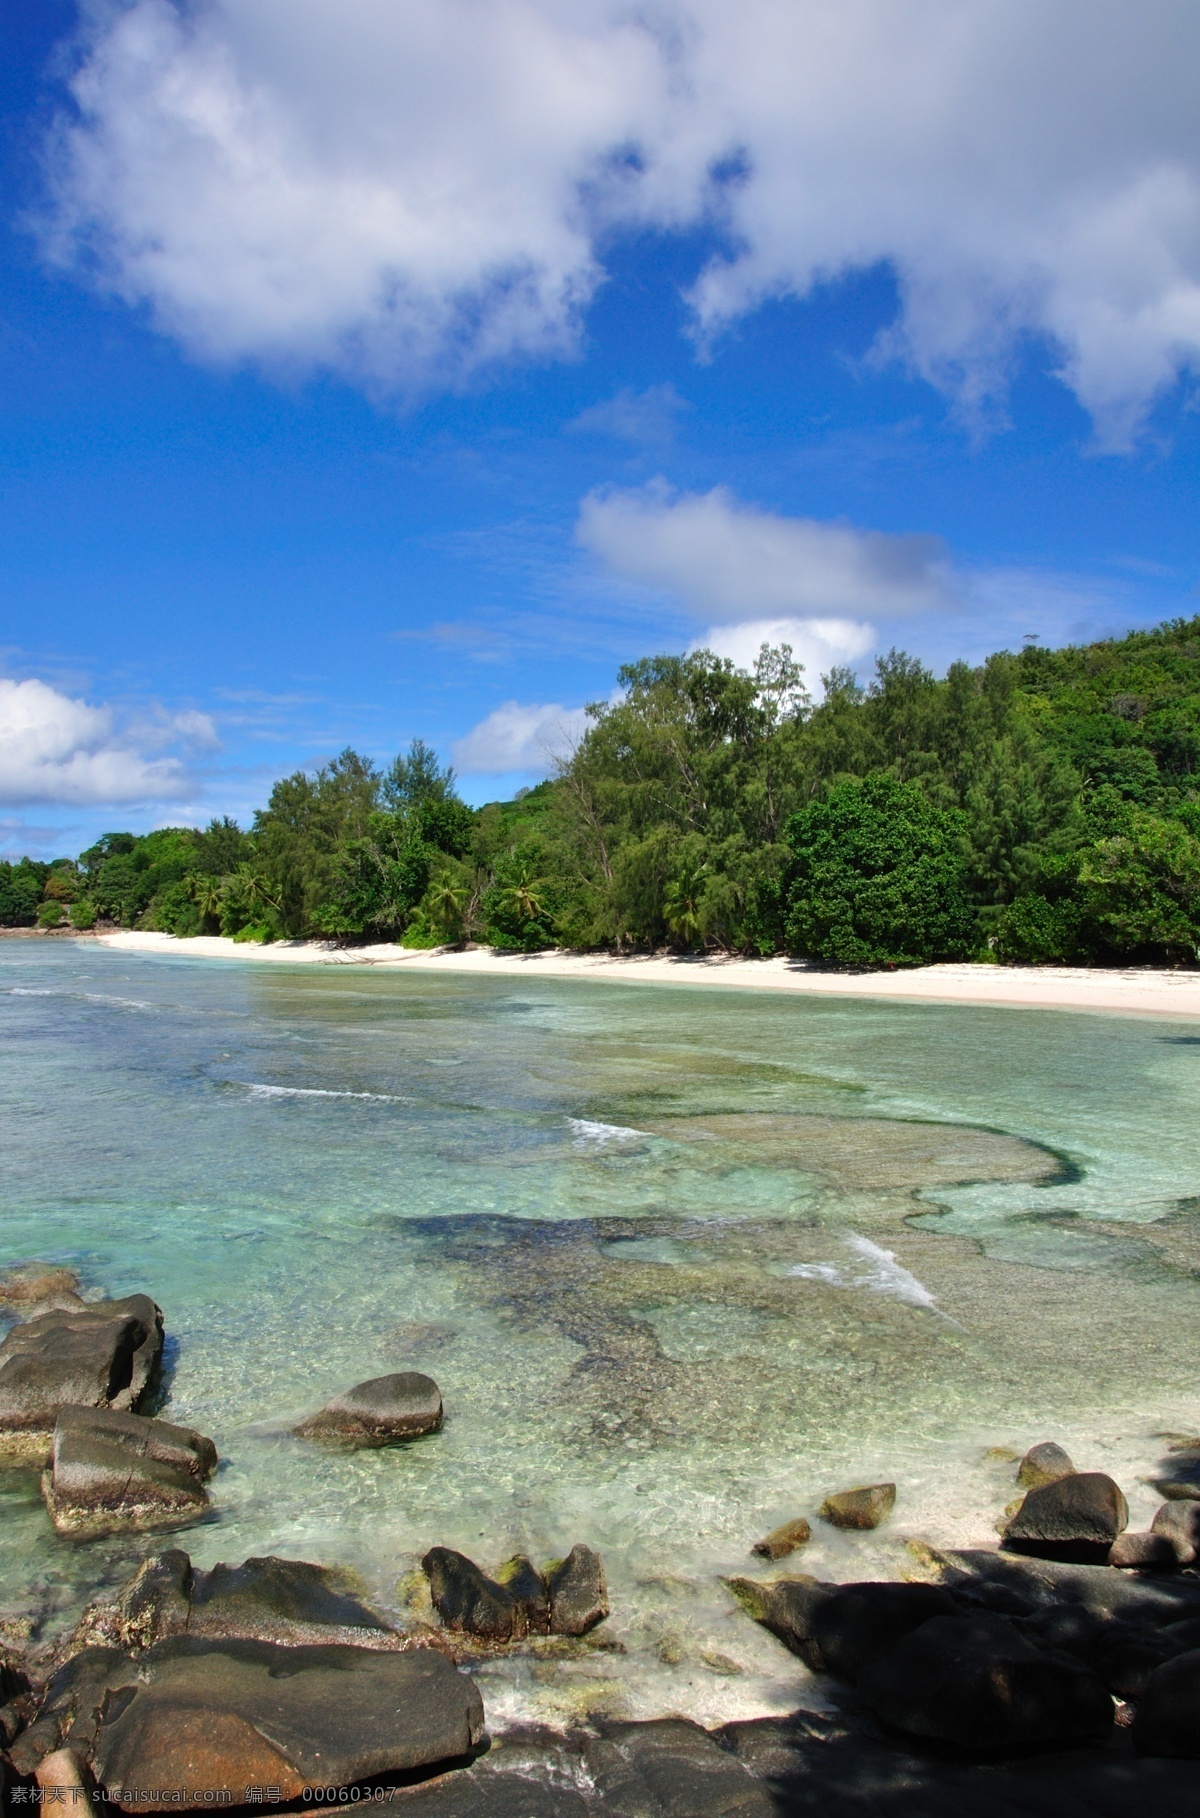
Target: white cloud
{"x": 729, "y": 561}
{"x": 515, "y": 738}
{"x": 57, "y": 749}
{"x": 641, "y": 417}
{"x": 820, "y": 644}
{"x": 404, "y": 192}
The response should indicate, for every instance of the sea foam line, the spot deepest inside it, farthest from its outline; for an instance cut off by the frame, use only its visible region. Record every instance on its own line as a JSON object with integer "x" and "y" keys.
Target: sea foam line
{"x": 82, "y": 997}
{"x": 257, "y": 1090}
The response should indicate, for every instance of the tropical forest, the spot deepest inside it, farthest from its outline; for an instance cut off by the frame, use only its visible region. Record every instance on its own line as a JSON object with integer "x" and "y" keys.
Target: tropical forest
{"x": 1041, "y": 808}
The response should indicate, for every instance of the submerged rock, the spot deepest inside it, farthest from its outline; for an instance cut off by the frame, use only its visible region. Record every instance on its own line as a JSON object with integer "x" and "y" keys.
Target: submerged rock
{"x": 37, "y": 1287}
{"x": 103, "y": 1355}
{"x": 863, "y": 1508}
{"x": 976, "y": 1682}
{"x": 578, "y": 1592}
{"x": 1168, "y": 1714}
{"x": 1076, "y": 1517}
{"x": 224, "y": 1716}
{"x": 1044, "y": 1463}
{"x": 111, "y": 1471}
{"x": 382, "y": 1412}
{"x": 784, "y": 1540}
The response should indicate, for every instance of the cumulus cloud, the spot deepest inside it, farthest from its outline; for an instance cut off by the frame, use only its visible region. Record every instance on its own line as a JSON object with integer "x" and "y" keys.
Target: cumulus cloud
{"x": 518, "y": 738}
{"x": 819, "y": 644}
{"x": 404, "y": 192}
{"x": 56, "y": 749}
{"x": 726, "y": 560}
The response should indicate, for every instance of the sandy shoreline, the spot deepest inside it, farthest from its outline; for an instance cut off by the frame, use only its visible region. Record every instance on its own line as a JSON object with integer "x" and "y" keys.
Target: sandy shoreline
{"x": 1132, "y": 992}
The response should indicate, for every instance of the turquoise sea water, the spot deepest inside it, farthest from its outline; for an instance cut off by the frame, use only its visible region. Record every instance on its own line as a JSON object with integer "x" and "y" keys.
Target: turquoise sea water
{"x": 681, "y": 1261}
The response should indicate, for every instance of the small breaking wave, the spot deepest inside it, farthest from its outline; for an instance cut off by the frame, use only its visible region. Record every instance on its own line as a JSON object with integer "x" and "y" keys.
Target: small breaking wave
{"x": 588, "y": 1134}
{"x": 83, "y": 997}
{"x": 258, "y": 1090}
{"x": 883, "y": 1274}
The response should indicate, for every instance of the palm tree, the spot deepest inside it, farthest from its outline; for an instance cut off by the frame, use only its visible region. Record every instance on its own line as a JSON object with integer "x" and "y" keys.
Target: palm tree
{"x": 681, "y": 903}
{"x": 208, "y": 894}
{"x": 448, "y": 903}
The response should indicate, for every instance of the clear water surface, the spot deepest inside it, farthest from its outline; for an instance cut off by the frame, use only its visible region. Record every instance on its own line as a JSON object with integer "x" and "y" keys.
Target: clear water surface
{"x": 681, "y": 1261}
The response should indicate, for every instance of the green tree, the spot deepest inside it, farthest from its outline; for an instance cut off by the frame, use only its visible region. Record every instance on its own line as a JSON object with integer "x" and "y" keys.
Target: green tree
{"x": 877, "y": 878}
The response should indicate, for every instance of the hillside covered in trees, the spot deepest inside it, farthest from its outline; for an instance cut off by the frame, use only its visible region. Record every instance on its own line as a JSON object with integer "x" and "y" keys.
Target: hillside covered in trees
{"x": 1043, "y": 807}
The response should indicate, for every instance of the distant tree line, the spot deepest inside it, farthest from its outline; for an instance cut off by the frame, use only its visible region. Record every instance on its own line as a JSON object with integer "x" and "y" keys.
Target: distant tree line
{"x": 1041, "y": 808}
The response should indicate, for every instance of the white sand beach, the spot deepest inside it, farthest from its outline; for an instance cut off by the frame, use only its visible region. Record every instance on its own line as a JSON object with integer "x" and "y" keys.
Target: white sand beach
{"x": 1133, "y": 991}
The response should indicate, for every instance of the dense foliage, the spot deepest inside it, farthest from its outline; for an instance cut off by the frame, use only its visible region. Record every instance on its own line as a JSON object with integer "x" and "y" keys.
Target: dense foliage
{"x": 1043, "y": 807}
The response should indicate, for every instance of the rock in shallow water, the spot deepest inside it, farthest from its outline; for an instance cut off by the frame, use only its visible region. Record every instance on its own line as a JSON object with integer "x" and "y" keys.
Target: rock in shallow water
{"x": 569, "y": 1598}
{"x": 105, "y": 1355}
{"x": 863, "y": 1508}
{"x": 38, "y": 1288}
{"x": 382, "y": 1412}
{"x": 1076, "y": 1517}
{"x": 111, "y": 1471}
{"x": 578, "y": 1593}
{"x": 784, "y": 1540}
{"x": 288, "y": 1601}
{"x": 976, "y": 1682}
{"x": 840, "y": 1628}
{"x": 1044, "y": 1463}
{"x": 222, "y": 1716}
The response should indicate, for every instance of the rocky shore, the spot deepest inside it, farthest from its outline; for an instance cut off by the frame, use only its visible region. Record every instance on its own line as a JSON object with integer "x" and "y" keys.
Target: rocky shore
{"x": 1057, "y": 1672}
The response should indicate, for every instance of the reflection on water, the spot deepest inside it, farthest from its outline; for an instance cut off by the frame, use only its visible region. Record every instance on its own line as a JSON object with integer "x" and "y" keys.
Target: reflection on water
{"x": 681, "y": 1262}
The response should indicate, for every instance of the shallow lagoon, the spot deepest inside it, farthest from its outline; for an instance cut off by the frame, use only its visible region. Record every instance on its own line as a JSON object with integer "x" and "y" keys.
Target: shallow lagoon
{"x": 682, "y": 1262}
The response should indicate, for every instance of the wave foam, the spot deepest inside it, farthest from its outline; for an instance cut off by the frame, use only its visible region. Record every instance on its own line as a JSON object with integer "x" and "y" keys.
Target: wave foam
{"x": 83, "y": 997}
{"x": 882, "y": 1275}
{"x": 257, "y": 1090}
{"x": 591, "y": 1135}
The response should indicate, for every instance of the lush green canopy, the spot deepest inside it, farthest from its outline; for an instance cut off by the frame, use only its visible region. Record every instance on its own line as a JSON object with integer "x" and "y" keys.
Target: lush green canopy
{"x": 1042, "y": 807}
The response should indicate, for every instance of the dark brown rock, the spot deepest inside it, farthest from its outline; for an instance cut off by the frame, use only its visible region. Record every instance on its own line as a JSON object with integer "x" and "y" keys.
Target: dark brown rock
{"x": 784, "y": 1540}
{"x": 1179, "y": 1523}
{"x": 1045, "y": 1463}
{"x": 1168, "y": 1715}
{"x": 840, "y": 1629}
{"x": 1179, "y": 1478}
{"x": 104, "y": 1355}
{"x": 789, "y": 1608}
{"x": 578, "y": 1592}
{"x": 528, "y": 1590}
{"x": 111, "y": 1472}
{"x": 1144, "y": 1553}
{"x": 221, "y": 1716}
{"x": 976, "y": 1682}
{"x": 470, "y": 1602}
{"x": 289, "y": 1601}
{"x": 1074, "y": 1518}
{"x": 862, "y": 1508}
{"x": 383, "y": 1412}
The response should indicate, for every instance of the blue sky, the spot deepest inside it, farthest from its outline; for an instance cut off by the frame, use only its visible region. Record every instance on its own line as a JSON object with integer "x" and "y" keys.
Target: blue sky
{"x": 372, "y": 372}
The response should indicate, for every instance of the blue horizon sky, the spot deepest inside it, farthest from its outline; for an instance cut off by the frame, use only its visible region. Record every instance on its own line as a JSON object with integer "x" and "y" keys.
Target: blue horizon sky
{"x": 228, "y": 552}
